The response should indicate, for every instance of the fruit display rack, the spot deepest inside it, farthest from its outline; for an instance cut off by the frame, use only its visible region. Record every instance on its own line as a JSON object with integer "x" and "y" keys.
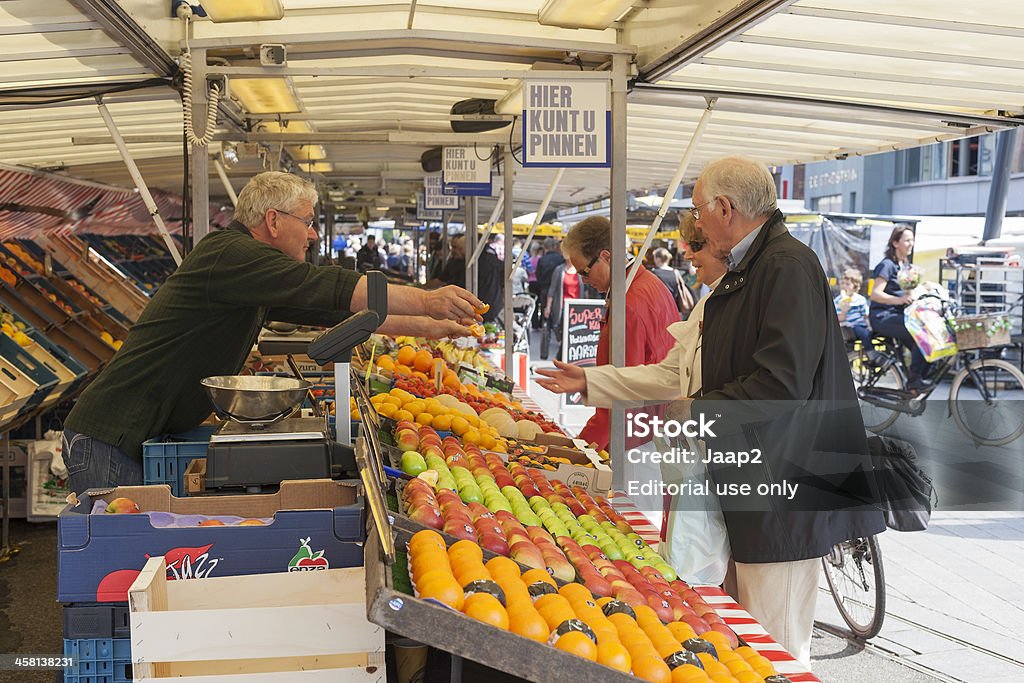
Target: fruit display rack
{"x": 142, "y": 257}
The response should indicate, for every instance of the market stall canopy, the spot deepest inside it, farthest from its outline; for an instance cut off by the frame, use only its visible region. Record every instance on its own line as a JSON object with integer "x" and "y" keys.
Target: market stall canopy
{"x": 791, "y": 81}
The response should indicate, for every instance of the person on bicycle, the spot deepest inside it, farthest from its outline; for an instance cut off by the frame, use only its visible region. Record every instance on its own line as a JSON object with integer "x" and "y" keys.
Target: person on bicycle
{"x": 888, "y": 300}
{"x": 852, "y": 307}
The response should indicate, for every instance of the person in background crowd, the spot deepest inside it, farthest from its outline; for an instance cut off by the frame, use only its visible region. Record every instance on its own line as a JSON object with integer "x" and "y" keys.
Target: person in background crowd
{"x": 673, "y": 280}
{"x": 204, "y": 320}
{"x": 454, "y": 270}
{"x": 774, "y": 365}
{"x": 852, "y": 307}
{"x": 407, "y": 252}
{"x": 549, "y": 260}
{"x": 396, "y": 259}
{"x": 888, "y": 301}
{"x": 566, "y": 283}
{"x": 368, "y": 257}
{"x": 536, "y": 249}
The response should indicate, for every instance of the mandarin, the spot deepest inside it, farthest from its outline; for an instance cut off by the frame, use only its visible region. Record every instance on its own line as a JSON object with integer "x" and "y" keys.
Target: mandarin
{"x": 486, "y": 608}
{"x": 578, "y": 644}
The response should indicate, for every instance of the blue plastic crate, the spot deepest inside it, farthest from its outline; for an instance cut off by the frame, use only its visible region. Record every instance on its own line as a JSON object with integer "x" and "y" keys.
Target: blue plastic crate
{"x": 100, "y": 660}
{"x": 39, "y": 373}
{"x": 165, "y": 458}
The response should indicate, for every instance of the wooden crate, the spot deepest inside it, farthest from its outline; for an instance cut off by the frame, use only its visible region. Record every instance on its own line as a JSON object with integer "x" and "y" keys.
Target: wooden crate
{"x": 264, "y": 628}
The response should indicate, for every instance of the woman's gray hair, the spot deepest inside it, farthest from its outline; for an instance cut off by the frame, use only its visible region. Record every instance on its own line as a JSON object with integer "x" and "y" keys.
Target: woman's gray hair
{"x": 662, "y": 256}
{"x": 272, "y": 190}
{"x": 746, "y": 182}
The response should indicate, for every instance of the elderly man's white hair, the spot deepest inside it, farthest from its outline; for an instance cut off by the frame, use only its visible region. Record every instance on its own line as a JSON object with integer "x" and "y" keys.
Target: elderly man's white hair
{"x": 746, "y": 182}
{"x": 272, "y": 190}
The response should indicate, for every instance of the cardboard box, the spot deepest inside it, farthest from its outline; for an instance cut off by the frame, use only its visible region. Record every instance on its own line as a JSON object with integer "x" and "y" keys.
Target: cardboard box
{"x": 597, "y": 480}
{"x": 317, "y": 524}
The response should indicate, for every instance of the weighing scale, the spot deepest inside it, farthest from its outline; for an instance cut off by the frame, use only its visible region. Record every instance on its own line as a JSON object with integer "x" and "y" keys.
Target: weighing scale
{"x": 265, "y": 439}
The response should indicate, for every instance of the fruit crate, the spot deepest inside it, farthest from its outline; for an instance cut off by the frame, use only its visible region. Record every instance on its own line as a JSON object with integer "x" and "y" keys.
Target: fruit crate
{"x": 80, "y": 371}
{"x": 392, "y": 606}
{"x": 272, "y": 628}
{"x": 165, "y": 458}
{"x": 96, "y": 621}
{"x": 46, "y": 380}
{"x": 16, "y": 388}
{"x": 99, "y": 660}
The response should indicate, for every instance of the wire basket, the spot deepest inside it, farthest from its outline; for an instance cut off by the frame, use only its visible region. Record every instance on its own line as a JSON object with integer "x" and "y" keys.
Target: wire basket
{"x": 982, "y": 331}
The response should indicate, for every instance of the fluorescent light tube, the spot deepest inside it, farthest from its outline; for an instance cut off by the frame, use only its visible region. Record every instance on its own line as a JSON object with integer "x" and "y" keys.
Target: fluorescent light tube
{"x": 596, "y": 14}
{"x": 242, "y": 10}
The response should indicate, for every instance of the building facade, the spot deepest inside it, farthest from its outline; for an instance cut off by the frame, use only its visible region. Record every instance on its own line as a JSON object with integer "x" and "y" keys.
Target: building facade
{"x": 942, "y": 179}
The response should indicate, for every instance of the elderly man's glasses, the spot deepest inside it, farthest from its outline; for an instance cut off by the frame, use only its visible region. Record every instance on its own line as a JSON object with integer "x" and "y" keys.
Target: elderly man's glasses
{"x": 695, "y": 211}
{"x": 309, "y": 223}
{"x": 586, "y": 271}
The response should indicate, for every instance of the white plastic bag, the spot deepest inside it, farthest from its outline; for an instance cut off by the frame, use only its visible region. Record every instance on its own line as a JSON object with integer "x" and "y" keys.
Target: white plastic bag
{"x": 697, "y": 543}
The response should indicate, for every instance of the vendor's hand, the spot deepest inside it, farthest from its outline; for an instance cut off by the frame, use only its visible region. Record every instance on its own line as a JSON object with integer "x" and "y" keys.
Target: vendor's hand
{"x": 679, "y": 410}
{"x": 439, "y": 329}
{"x": 452, "y": 303}
{"x": 906, "y": 299}
{"x": 565, "y": 379}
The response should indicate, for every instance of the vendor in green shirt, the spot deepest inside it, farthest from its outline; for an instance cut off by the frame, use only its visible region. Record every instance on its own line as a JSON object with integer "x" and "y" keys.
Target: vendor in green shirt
{"x": 206, "y": 317}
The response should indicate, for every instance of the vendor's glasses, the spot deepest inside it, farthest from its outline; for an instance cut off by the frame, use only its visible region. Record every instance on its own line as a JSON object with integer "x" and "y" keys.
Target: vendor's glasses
{"x": 695, "y": 246}
{"x": 586, "y": 271}
{"x": 309, "y": 223}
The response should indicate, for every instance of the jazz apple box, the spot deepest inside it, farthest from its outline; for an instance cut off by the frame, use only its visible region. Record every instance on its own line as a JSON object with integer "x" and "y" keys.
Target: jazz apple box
{"x": 317, "y": 524}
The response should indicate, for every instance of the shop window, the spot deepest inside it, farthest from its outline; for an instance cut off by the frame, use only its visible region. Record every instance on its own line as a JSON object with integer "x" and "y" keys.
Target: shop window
{"x": 832, "y": 203}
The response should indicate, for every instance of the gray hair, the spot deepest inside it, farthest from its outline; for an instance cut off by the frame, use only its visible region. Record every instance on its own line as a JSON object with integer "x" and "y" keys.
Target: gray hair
{"x": 746, "y": 182}
{"x": 550, "y": 244}
{"x": 662, "y": 256}
{"x": 272, "y": 190}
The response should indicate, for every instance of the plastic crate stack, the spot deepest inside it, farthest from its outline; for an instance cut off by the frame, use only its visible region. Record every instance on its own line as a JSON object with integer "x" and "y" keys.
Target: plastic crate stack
{"x": 165, "y": 458}
{"x": 98, "y": 637}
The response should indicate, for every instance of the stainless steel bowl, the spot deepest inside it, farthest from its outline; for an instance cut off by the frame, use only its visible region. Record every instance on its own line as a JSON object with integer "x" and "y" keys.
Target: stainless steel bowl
{"x": 249, "y": 398}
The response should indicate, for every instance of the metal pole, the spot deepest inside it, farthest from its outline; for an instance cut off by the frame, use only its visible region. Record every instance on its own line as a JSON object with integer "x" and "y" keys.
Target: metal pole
{"x": 540, "y": 214}
{"x": 140, "y": 183}
{"x": 416, "y": 252}
{"x": 329, "y": 233}
{"x": 509, "y": 171}
{"x": 670, "y": 192}
{"x": 617, "y": 294}
{"x": 472, "y": 273}
{"x": 227, "y": 183}
{"x": 1006, "y": 142}
{"x": 200, "y": 160}
{"x": 489, "y": 227}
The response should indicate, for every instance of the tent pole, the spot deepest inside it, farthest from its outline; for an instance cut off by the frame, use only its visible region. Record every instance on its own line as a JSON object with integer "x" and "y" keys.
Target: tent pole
{"x": 140, "y": 183}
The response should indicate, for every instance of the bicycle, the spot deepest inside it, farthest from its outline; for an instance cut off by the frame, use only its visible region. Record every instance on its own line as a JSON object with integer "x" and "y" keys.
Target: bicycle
{"x": 853, "y": 570}
{"x": 986, "y": 395}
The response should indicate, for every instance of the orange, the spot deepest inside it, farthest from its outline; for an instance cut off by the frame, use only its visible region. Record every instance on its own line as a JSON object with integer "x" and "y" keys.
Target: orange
{"x": 436, "y": 408}
{"x": 486, "y": 608}
{"x": 502, "y": 567}
{"x": 746, "y": 652}
{"x": 487, "y": 442}
{"x": 447, "y": 590}
{"x": 712, "y": 666}
{"x": 719, "y": 640}
{"x": 402, "y": 369}
{"x": 574, "y": 592}
{"x": 466, "y": 547}
{"x": 613, "y": 655}
{"x": 423, "y": 361}
{"x": 406, "y": 355}
{"x": 471, "y": 572}
{"x": 425, "y": 538}
{"x": 393, "y": 399}
{"x": 646, "y": 615}
{"x": 471, "y": 436}
{"x": 402, "y": 415}
{"x": 688, "y": 673}
{"x": 749, "y": 677}
{"x": 442, "y": 423}
{"x": 459, "y": 425}
{"x": 722, "y": 678}
{"x": 452, "y": 382}
{"x": 425, "y": 419}
{"x": 429, "y": 574}
{"x": 385, "y": 362}
{"x": 651, "y": 668}
{"x": 578, "y": 644}
{"x": 681, "y": 630}
{"x": 387, "y": 409}
{"x": 534, "y": 575}
{"x": 525, "y": 621}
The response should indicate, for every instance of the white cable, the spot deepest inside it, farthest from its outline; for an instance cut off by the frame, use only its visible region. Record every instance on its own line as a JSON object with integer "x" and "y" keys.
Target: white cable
{"x": 185, "y": 13}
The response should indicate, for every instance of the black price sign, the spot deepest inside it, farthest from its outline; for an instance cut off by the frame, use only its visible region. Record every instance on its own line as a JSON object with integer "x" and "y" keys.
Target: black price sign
{"x": 581, "y": 329}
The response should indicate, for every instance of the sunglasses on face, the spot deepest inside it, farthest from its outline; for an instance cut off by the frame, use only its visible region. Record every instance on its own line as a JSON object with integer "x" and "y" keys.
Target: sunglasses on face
{"x": 586, "y": 271}
{"x": 695, "y": 246}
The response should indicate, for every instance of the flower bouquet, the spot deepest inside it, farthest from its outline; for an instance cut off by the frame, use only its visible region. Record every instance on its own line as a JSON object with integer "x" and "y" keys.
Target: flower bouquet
{"x": 909, "y": 278}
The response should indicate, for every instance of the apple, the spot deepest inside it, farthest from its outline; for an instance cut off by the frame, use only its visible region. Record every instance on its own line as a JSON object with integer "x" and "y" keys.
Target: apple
{"x": 599, "y": 586}
{"x": 661, "y": 607}
{"x": 460, "y": 530}
{"x": 407, "y": 440}
{"x": 697, "y": 624}
{"x": 427, "y": 515}
{"x": 211, "y": 522}
{"x": 123, "y": 506}
{"x": 493, "y": 542}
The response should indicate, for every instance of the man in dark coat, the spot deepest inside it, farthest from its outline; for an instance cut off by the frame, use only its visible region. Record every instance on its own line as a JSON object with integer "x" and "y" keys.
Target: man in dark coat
{"x": 776, "y": 377}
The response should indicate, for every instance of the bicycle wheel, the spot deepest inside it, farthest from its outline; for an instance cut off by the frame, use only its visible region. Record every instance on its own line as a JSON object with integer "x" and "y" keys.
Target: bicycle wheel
{"x": 876, "y": 418}
{"x": 1000, "y": 419}
{"x": 854, "y": 573}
